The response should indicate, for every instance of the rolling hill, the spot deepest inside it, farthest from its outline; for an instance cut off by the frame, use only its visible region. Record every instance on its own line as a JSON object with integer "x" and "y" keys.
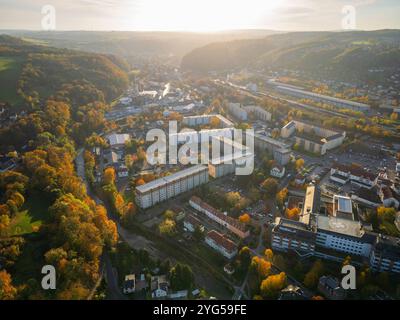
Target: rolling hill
{"x": 35, "y": 72}
{"x": 345, "y": 55}
{"x": 135, "y": 45}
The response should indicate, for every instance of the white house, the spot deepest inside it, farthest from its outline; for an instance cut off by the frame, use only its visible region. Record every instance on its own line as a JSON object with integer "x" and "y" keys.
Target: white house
{"x": 277, "y": 171}
{"x": 159, "y": 286}
{"x": 118, "y": 140}
{"x": 129, "y": 284}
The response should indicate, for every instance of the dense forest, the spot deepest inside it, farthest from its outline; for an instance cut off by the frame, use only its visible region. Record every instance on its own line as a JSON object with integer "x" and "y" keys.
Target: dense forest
{"x": 85, "y": 82}
{"x": 345, "y": 55}
{"x": 46, "y": 215}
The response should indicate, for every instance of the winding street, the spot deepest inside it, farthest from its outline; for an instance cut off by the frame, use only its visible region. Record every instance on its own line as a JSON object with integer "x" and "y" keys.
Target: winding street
{"x": 114, "y": 292}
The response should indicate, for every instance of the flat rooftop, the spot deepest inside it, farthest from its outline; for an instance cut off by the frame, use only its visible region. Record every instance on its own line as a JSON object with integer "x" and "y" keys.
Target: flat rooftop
{"x": 171, "y": 178}
{"x": 329, "y": 98}
{"x": 341, "y": 226}
{"x": 262, "y": 136}
{"x": 311, "y": 204}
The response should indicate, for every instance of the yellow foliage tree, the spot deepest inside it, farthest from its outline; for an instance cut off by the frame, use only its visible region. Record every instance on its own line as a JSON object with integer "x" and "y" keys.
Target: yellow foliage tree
{"x": 269, "y": 255}
{"x": 109, "y": 176}
{"x": 245, "y": 218}
{"x": 299, "y": 163}
{"x": 261, "y": 266}
{"x": 293, "y": 214}
{"x": 7, "y": 290}
{"x": 272, "y": 285}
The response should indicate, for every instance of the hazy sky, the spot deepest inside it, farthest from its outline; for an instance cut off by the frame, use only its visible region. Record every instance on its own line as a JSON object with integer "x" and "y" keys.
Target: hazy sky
{"x": 199, "y": 15}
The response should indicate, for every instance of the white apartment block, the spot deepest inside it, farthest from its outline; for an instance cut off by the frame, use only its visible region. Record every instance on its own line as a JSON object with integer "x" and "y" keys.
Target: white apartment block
{"x": 221, "y": 244}
{"x": 343, "y": 235}
{"x": 228, "y": 164}
{"x": 280, "y": 151}
{"x": 237, "y": 111}
{"x": 168, "y": 187}
{"x": 205, "y": 119}
{"x": 311, "y": 137}
{"x": 259, "y": 113}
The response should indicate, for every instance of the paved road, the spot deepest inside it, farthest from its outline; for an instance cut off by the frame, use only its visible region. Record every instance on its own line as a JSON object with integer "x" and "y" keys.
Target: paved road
{"x": 113, "y": 289}
{"x": 111, "y": 277}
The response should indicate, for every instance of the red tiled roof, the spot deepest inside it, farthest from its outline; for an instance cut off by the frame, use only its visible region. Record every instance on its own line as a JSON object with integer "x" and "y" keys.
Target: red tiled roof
{"x": 233, "y": 222}
{"x": 354, "y": 170}
{"x": 220, "y": 240}
{"x": 193, "y": 220}
{"x": 387, "y": 193}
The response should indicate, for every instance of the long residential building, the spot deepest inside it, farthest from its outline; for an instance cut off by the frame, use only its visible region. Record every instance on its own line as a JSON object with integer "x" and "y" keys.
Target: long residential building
{"x": 259, "y": 113}
{"x": 231, "y": 224}
{"x": 228, "y": 164}
{"x": 343, "y": 173}
{"x": 206, "y": 119}
{"x": 311, "y": 137}
{"x": 280, "y": 150}
{"x": 242, "y": 112}
{"x": 162, "y": 189}
{"x": 337, "y": 234}
{"x": 339, "y": 103}
{"x": 221, "y": 244}
{"x": 237, "y": 111}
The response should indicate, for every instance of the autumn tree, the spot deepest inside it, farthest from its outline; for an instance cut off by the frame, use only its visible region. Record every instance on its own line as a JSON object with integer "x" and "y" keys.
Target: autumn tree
{"x": 215, "y": 122}
{"x": 293, "y": 214}
{"x": 281, "y": 197}
{"x": 271, "y": 286}
{"x": 269, "y": 255}
{"x": 109, "y": 176}
{"x": 167, "y": 227}
{"x": 244, "y": 258}
{"x": 245, "y": 218}
{"x": 299, "y": 164}
{"x": 270, "y": 186}
{"x": 96, "y": 141}
{"x": 260, "y": 267}
{"x": 7, "y": 290}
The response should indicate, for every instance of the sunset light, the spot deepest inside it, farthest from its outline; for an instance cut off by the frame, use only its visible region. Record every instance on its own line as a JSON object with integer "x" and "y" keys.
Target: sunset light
{"x": 206, "y": 15}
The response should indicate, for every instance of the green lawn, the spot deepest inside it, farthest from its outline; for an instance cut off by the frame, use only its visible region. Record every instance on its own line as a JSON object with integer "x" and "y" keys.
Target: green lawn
{"x": 32, "y": 216}
{"x": 23, "y": 223}
{"x": 10, "y": 70}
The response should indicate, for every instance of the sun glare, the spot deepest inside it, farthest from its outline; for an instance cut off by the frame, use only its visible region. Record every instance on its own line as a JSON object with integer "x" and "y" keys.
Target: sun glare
{"x": 204, "y": 15}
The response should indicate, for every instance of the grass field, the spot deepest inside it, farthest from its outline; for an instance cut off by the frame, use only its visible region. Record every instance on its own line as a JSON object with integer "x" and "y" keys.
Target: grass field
{"x": 30, "y": 218}
{"x": 10, "y": 70}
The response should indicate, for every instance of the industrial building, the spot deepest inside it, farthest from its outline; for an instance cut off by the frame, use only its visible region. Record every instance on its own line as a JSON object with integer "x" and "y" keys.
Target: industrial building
{"x": 336, "y": 102}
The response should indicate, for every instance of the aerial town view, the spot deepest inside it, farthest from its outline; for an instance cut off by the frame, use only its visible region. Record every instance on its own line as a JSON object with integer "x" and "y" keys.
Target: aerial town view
{"x": 199, "y": 151}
